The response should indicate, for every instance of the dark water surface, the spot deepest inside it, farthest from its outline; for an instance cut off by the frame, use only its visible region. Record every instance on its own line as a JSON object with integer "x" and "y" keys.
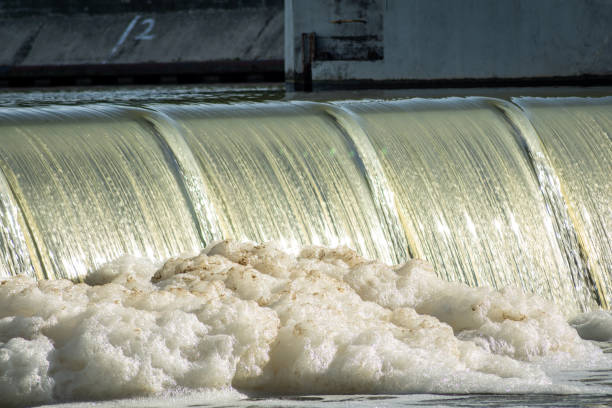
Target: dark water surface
{"x": 238, "y": 93}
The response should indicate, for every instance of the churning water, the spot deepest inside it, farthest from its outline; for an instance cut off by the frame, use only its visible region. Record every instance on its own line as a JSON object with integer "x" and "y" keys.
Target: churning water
{"x": 507, "y": 194}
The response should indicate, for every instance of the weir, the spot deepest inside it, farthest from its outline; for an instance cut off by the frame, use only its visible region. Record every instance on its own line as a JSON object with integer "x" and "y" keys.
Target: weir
{"x": 491, "y": 192}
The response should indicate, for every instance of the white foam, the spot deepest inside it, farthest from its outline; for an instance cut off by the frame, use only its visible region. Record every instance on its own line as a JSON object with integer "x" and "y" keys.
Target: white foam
{"x": 595, "y": 325}
{"x": 254, "y": 317}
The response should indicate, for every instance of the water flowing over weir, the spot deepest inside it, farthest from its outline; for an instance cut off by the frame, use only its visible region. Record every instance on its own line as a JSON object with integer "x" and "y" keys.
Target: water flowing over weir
{"x": 92, "y": 184}
{"x": 491, "y": 192}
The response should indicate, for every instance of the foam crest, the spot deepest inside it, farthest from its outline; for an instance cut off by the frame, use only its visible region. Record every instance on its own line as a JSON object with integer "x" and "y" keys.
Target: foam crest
{"x": 595, "y": 325}
{"x": 256, "y": 318}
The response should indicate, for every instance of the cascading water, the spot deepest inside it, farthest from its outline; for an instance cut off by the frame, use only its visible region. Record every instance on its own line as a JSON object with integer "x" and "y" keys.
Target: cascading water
{"x": 284, "y": 172}
{"x": 92, "y": 184}
{"x": 454, "y": 181}
{"x": 470, "y": 199}
{"x": 15, "y": 252}
{"x": 491, "y": 192}
{"x": 577, "y": 137}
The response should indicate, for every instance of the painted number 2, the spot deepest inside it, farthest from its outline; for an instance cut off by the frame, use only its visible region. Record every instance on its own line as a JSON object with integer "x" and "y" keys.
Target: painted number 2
{"x": 146, "y": 34}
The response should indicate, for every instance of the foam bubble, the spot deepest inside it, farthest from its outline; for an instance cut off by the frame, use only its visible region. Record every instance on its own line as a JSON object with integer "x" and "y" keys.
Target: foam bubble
{"x": 257, "y": 318}
{"x": 595, "y": 325}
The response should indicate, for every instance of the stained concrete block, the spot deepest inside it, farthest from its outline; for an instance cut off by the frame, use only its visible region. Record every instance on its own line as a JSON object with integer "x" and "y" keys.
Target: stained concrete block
{"x": 433, "y": 40}
{"x": 200, "y": 35}
{"x": 184, "y": 37}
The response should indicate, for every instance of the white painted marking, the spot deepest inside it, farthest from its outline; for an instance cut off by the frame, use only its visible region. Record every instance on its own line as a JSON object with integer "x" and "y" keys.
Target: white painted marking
{"x": 146, "y": 34}
{"x": 124, "y": 36}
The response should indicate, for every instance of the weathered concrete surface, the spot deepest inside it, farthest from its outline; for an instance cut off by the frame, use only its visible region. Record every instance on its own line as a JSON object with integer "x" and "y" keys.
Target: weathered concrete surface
{"x": 251, "y": 31}
{"x": 442, "y": 40}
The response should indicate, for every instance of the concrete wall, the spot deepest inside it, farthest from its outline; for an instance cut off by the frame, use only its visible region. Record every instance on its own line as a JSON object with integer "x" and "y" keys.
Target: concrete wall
{"x": 72, "y": 38}
{"x": 451, "y": 40}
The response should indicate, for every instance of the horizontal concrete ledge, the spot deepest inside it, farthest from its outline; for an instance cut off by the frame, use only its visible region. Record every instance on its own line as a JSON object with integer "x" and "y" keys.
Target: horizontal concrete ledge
{"x": 143, "y": 73}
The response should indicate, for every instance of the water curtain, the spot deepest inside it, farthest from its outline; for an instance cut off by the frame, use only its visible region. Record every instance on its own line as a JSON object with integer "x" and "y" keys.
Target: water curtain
{"x": 491, "y": 192}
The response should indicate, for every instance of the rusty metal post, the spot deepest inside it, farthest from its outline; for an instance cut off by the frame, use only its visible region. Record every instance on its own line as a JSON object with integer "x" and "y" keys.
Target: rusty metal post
{"x": 308, "y": 55}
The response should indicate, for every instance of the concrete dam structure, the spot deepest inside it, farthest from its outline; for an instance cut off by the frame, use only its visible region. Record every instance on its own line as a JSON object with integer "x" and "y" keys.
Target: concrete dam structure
{"x": 404, "y": 43}
{"x": 327, "y": 43}
{"x": 241, "y": 245}
{"x": 100, "y": 42}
